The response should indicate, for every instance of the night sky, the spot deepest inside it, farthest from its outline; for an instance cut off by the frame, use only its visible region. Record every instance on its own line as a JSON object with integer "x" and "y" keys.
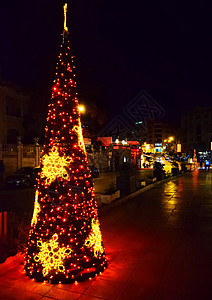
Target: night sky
{"x": 121, "y": 47}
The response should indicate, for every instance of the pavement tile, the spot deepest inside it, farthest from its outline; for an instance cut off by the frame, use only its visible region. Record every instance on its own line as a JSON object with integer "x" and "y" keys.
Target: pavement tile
{"x": 86, "y": 297}
{"x": 11, "y": 293}
{"x": 149, "y": 272}
{"x": 104, "y": 289}
{"x": 28, "y": 284}
{"x": 179, "y": 292}
{"x": 46, "y": 298}
{"x": 80, "y": 287}
{"x": 60, "y": 294}
{"x": 135, "y": 291}
{"x": 118, "y": 244}
{"x": 41, "y": 288}
{"x": 115, "y": 274}
{"x": 203, "y": 279}
{"x": 179, "y": 278}
{"x": 32, "y": 296}
{"x": 16, "y": 278}
{"x": 126, "y": 261}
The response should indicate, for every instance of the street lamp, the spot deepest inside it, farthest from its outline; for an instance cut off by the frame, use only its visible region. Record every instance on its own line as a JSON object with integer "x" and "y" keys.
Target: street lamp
{"x": 81, "y": 108}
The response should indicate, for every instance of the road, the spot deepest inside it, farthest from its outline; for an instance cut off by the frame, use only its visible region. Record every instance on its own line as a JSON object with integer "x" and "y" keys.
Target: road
{"x": 158, "y": 244}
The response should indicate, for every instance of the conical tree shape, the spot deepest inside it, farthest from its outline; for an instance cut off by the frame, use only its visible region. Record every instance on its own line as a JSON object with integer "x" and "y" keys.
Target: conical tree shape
{"x": 65, "y": 242}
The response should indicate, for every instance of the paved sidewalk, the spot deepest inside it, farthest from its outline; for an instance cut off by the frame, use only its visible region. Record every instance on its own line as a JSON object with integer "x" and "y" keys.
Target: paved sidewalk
{"x": 159, "y": 246}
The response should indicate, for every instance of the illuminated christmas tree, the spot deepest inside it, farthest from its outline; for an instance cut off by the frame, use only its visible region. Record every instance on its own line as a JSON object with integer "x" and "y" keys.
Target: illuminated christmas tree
{"x": 65, "y": 242}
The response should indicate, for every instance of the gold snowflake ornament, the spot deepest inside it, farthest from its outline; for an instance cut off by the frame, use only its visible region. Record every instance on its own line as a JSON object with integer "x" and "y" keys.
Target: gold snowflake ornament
{"x": 78, "y": 130}
{"x": 51, "y": 256}
{"x": 94, "y": 240}
{"x": 36, "y": 210}
{"x": 54, "y": 166}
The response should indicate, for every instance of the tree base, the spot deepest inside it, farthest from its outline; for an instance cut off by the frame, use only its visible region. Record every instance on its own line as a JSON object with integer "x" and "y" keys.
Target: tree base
{"x": 75, "y": 276}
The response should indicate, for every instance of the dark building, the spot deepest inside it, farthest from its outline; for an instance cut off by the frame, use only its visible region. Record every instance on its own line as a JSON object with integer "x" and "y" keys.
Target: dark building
{"x": 196, "y": 129}
{"x": 20, "y": 114}
{"x": 157, "y": 132}
{"x": 14, "y": 105}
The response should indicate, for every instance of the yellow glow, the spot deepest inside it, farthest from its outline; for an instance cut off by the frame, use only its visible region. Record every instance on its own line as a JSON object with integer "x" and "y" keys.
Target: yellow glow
{"x": 146, "y": 147}
{"x": 167, "y": 166}
{"x": 179, "y": 147}
{"x": 81, "y": 108}
{"x": 78, "y": 130}
{"x": 51, "y": 257}
{"x": 36, "y": 210}
{"x": 65, "y": 17}
{"x": 171, "y": 138}
{"x": 94, "y": 239}
{"x": 54, "y": 166}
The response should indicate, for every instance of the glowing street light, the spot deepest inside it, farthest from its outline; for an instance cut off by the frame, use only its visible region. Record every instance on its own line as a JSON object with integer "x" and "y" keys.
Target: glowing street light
{"x": 81, "y": 108}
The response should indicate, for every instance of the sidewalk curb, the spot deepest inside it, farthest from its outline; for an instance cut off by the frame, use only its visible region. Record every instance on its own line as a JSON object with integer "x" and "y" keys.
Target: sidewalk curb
{"x": 120, "y": 201}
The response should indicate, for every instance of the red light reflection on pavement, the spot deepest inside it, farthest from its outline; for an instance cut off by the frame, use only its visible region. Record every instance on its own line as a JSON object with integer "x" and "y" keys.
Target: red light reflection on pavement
{"x": 194, "y": 178}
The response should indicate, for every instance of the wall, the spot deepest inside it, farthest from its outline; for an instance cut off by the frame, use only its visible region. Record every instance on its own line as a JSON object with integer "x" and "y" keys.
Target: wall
{"x": 10, "y": 164}
{"x": 16, "y": 156}
{"x": 13, "y": 107}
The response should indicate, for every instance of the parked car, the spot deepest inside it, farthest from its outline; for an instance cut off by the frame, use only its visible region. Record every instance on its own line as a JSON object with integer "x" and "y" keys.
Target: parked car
{"x": 94, "y": 172}
{"x": 23, "y": 177}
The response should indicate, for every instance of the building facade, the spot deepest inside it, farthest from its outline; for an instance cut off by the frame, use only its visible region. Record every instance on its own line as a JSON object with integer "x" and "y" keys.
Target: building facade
{"x": 13, "y": 106}
{"x": 157, "y": 134}
{"x": 196, "y": 129}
